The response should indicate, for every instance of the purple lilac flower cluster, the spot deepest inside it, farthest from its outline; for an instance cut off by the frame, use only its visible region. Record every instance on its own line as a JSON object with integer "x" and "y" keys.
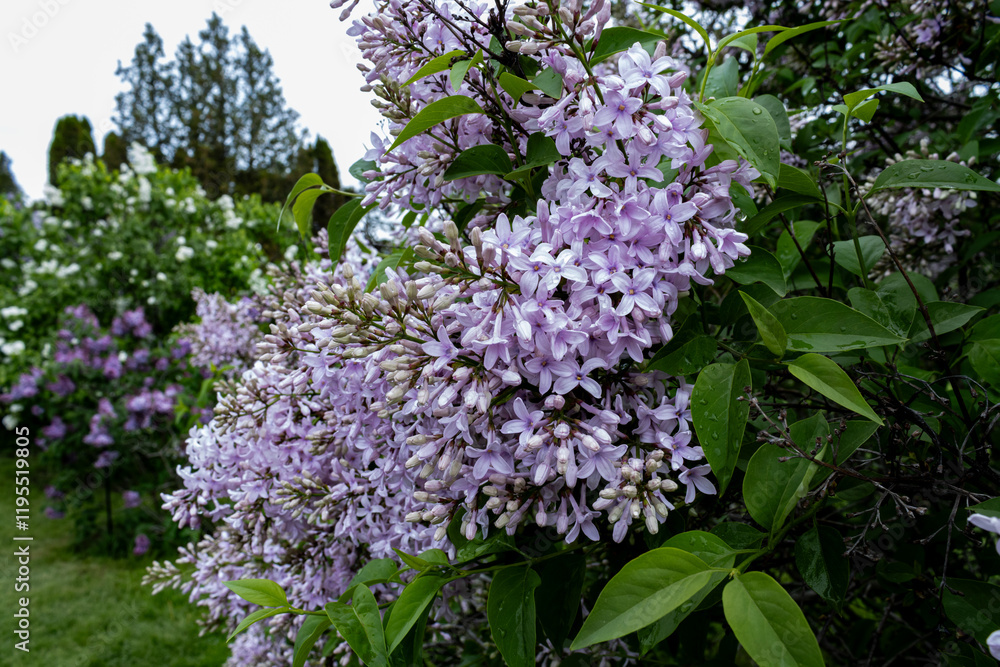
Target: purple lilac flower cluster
{"x": 225, "y": 334}
{"x": 503, "y": 376}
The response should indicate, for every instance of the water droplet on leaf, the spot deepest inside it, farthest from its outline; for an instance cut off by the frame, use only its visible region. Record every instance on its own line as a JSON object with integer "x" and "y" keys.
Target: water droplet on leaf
{"x": 757, "y": 111}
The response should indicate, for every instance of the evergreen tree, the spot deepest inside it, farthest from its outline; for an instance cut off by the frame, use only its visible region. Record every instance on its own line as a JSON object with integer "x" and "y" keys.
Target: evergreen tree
{"x": 72, "y": 138}
{"x": 115, "y": 152}
{"x": 8, "y": 184}
{"x": 217, "y": 109}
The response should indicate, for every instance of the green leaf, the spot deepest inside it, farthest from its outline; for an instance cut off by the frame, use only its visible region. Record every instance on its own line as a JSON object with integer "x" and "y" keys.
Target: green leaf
{"x": 412, "y": 602}
{"x": 307, "y": 183}
{"x": 413, "y": 562}
{"x": 846, "y": 255}
{"x": 439, "y": 64}
{"x": 399, "y": 256}
{"x": 785, "y": 203}
{"x": 777, "y": 110}
{"x": 984, "y": 356}
{"x": 723, "y": 80}
{"x": 558, "y": 596}
{"x": 310, "y": 632}
{"x": 772, "y": 487}
{"x": 739, "y": 535}
{"x": 987, "y": 328}
{"x": 687, "y": 352}
{"x": 866, "y": 110}
{"x": 903, "y": 88}
{"x": 342, "y": 224}
{"x": 358, "y": 169}
{"x": 825, "y": 376}
{"x": 655, "y": 632}
{"x": 482, "y": 159}
{"x": 710, "y": 548}
{"x": 683, "y": 17}
{"x": 436, "y": 113}
{"x": 796, "y": 180}
{"x": 814, "y": 324}
{"x": 977, "y": 612}
{"x": 945, "y": 316}
{"x": 750, "y": 130}
{"x": 719, "y": 418}
{"x": 771, "y": 331}
{"x": 541, "y": 152}
{"x": 989, "y": 507}
{"x": 646, "y": 589}
{"x": 760, "y": 266}
{"x": 819, "y": 555}
{"x": 461, "y": 68}
{"x": 259, "y": 591}
{"x": 619, "y": 38}
{"x": 258, "y": 615}
{"x": 892, "y": 310}
{"x": 747, "y": 43}
{"x": 854, "y": 435}
{"x": 931, "y": 174}
{"x": 770, "y": 626}
{"x": 510, "y": 609}
{"x": 783, "y": 37}
{"x": 549, "y": 82}
{"x": 360, "y": 625}
{"x": 377, "y": 571}
{"x": 515, "y": 85}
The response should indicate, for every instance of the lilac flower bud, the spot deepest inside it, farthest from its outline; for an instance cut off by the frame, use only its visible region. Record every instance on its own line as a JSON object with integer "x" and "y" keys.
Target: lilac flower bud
{"x": 555, "y": 402}
{"x": 561, "y": 430}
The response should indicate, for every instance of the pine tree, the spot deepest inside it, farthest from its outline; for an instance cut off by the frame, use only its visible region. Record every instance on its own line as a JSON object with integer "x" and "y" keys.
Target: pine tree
{"x": 8, "y": 184}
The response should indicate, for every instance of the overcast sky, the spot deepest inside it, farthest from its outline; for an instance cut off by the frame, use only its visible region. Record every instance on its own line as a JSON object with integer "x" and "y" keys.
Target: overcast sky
{"x": 58, "y": 57}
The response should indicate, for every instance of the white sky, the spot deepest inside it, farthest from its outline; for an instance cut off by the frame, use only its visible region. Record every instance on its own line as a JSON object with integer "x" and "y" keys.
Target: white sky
{"x": 58, "y": 57}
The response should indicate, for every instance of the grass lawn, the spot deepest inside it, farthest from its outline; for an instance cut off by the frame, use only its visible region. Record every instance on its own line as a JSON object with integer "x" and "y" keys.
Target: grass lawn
{"x": 88, "y": 611}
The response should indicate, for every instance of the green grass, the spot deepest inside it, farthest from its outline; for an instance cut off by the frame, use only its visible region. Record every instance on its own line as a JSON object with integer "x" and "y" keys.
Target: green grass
{"x": 90, "y": 611}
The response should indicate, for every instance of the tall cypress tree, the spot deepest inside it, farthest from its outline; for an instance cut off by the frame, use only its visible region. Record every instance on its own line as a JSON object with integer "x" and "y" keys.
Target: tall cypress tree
{"x": 73, "y": 137}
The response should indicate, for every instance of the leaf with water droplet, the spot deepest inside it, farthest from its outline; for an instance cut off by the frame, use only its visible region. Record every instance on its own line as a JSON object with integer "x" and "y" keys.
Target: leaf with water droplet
{"x": 719, "y": 418}
{"x": 943, "y": 174}
{"x": 510, "y": 609}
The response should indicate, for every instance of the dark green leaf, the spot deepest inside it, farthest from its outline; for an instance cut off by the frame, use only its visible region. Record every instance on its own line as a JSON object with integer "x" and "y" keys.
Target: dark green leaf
{"x": 515, "y": 85}
{"x": 549, "y": 82}
{"x": 814, "y": 324}
{"x": 772, "y": 487}
{"x": 931, "y": 174}
{"x": 719, "y": 418}
{"x": 866, "y": 110}
{"x": 987, "y": 328}
{"x": 786, "y": 252}
{"x": 945, "y": 316}
{"x": 400, "y": 256}
{"x": 259, "y": 591}
{"x": 780, "y": 205}
{"x": 358, "y": 169}
{"x": 541, "y": 152}
{"x": 252, "y": 618}
{"x": 819, "y": 555}
{"x": 903, "y": 88}
{"x": 770, "y": 626}
{"x": 892, "y": 310}
{"x": 771, "y": 331}
{"x": 646, "y": 589}
{"x": 739, "y": 535}
{"x": 619, "y": 38}
{"x": 855, "y": 434}
{"x": 342, "y": 224}
{"x": 310, "y": 632}
{"x": 977, "y": 610}
{"x": 654, "y": 633}
{"x": 687, "y": 352}
{"x": 777, "y": 110}
{"x": 461, "y": 68}
{"x": 482, "y": 159}
{"x": 796, "y": 180}
{"x": 750, "y": 130}
{"x": 412, "y": 602}
{"x": 360, "y": 624}
{"x": 510, "y": 609}
{"x": 436, "y": 113}
{"x": 710, "y": 548}
{"x": 760, "y": 266}
{"x": 984, "y": 356}
{"x": 683, "y": 17}
{"x": 377, "y": 571}
{"x": 846, "y": 255}
{"x": 723, "y": 80}
{"x": 439, "y": 64}
{"x": 826, "y": 377}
